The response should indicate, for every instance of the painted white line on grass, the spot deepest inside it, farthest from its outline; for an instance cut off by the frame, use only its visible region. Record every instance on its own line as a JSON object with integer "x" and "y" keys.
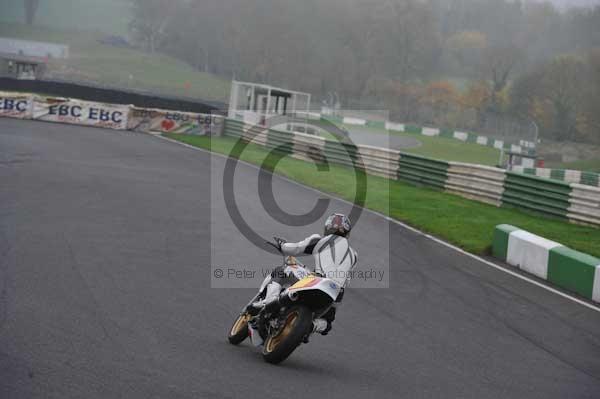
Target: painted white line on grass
{"x": 404, "y": 225}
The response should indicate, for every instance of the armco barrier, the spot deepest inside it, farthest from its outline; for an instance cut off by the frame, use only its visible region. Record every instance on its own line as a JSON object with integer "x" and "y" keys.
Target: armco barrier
{"x": 377, "y": 161}
{"x": 584, "y": 204}
{"x": 576, "y": 203}
{"x": 421, "y": 170}
{"x": 548, "y": 260}
{"x": 542, "y": 195}
{"x": 480, "y": 183}
{"x": 566, "y": 175}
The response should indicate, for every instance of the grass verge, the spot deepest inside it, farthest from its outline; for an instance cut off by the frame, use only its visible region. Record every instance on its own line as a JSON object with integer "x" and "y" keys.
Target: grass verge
{"x": 590, "y": 165}
{"x": 467, "y": 224}
{"x": 447, "y": 149}
{"x": 127, "y": 68}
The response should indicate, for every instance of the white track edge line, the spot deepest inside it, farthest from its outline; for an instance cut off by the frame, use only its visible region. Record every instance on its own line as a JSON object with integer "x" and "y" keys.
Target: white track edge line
{"x": 404, "y": 225}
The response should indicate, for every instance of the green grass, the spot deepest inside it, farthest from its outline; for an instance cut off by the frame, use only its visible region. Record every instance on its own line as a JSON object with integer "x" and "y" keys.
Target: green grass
{"x": 465, "y": 223}
{"x": 95, "y": 62}
{"x": 591, "y": 165}
{"x": 453, "y": 150}
{"x": 446, "y": 149}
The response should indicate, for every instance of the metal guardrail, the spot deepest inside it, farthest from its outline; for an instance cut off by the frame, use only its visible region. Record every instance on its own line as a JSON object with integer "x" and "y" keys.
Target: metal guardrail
{"x": 574, "y": 202}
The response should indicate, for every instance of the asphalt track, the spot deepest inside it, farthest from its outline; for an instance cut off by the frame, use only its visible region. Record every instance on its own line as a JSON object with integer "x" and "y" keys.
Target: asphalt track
{"x": 105, "y": 276}
{"x": 362, "y": 135}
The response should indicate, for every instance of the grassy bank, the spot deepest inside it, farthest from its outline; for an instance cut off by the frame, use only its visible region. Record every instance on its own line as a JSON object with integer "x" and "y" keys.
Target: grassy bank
{"x": 91, "y": 61}
{"x": 462, "y": 222}
{"x": 447, "y": 149}
{"x": 453, "y": 150}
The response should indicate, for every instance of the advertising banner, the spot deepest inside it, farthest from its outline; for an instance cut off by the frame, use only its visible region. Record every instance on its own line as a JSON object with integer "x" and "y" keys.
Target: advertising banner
{"x": 161, "y": 121}
{"x": 64, "y": 110}
{"x": 16, "y": 105}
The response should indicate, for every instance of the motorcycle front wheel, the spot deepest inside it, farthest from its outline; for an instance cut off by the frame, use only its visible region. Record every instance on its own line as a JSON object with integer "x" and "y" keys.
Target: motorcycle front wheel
{"x": 297, "y": 323}
{"x": 239, "y": 330}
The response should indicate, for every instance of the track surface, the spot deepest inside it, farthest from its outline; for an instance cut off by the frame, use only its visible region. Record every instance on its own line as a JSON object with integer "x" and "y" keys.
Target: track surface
{"x": 105, "y": 293}
{"x": 361, "y": 135}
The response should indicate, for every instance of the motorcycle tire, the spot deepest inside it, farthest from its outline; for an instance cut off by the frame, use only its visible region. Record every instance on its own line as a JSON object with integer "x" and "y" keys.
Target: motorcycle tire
{"x": 239, "y": 330}
{"x": 298, "y": 323}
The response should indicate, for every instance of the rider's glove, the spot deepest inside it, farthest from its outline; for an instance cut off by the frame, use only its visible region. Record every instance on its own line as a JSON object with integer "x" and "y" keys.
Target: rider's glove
{"x": 279, "y": 242}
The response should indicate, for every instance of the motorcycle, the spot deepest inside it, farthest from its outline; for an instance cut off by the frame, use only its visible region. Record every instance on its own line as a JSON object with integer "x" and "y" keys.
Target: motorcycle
{"x": 285, "y": 323}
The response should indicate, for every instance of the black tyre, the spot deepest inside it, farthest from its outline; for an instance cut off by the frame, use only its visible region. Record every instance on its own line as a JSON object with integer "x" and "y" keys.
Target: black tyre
{"x": 239, "y": 330}
{"x": 298, "y": 323}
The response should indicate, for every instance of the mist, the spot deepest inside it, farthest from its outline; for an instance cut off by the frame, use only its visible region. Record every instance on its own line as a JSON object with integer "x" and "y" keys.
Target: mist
{"x": 455, "y": 64}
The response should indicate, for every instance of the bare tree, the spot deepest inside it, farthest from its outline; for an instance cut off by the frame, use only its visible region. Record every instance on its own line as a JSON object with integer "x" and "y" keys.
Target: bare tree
{"x": 563, "y": 88}
{"x": 150, "y": 18}
{"x": 31, "y": 7}
{"x": 498, "y": 63}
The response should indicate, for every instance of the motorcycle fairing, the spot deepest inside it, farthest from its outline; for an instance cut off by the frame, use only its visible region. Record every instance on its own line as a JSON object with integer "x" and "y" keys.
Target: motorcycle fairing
{"x": 325, "y": 285}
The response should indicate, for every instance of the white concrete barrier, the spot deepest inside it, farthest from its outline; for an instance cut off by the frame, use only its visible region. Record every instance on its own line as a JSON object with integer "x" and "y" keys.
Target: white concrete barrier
{"x": 476, "y": 182}
{"x": 462, "y": 136}
{"x": 482, "y": 140}
{"x": 397, "y": 127}
{"x": 354, "y": 121}
{"x": 431, "y": 132}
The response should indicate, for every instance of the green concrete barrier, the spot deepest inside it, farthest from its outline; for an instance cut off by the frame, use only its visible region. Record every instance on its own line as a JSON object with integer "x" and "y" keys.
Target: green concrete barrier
{"x": 566, "y": 268}
{"x": 572, "y": 202}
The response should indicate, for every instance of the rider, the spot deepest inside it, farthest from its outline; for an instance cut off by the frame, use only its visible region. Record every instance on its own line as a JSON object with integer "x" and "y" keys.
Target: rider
{"x": 332, "y": 253}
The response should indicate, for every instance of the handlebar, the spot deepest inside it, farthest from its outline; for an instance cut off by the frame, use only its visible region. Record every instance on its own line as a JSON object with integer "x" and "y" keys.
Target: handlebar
{"x": 278, "y": 243}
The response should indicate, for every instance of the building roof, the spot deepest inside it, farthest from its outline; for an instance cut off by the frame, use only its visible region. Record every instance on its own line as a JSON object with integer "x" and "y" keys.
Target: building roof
{"x": 276, "y": 91}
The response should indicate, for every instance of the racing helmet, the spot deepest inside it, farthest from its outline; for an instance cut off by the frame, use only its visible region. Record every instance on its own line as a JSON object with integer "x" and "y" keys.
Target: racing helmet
{"x": 338, "y": 224}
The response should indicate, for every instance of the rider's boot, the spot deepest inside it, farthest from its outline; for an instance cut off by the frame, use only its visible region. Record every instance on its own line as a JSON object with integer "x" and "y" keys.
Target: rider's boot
{"x": 254, "y": 334}
{"x": 321, "y": 326}
{"x": 271, "y": 301}
{"x": 271, "y": 297}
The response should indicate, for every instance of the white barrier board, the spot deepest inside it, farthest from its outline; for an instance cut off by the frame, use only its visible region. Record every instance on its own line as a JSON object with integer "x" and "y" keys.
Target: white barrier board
{"x": 462, "y": 136}
{"x": 430, "y": 131}
{"x": 161, "y": 121}
{"x": 397, "y": 127}
{"x": 354, "y": 121}
{"x": 78, "y": 112}
{"x": 15, "y": 105}
{"x": 482, "y": 140}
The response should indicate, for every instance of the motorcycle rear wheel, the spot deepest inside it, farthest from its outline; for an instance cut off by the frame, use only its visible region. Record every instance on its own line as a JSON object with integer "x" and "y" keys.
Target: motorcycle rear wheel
{"x": 239, "y": 331}
{"x": 298, "y": 323}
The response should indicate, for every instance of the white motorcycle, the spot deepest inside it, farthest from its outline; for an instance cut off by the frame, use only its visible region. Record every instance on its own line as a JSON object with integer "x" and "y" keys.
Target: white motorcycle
{"x": 287, "y": 322}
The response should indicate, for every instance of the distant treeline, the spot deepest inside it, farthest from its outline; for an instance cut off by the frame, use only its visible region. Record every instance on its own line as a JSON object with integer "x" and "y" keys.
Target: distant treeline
{"x": 445, "y": 62}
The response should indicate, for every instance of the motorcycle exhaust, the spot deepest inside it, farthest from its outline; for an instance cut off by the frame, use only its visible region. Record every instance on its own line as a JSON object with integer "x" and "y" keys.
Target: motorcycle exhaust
{"x": 293, "y": 296}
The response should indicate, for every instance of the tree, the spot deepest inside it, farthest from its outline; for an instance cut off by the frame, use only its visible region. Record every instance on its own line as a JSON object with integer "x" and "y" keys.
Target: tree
{"x": 438, "y": 98}
{"x": 498, "y": 64}
{"x": 563, "y": 88}
{"x": 150, "y": 18}
{"x": 589, "y": 125}
{"x": 467, "y": 48}
{"x": 31, "y": 7}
